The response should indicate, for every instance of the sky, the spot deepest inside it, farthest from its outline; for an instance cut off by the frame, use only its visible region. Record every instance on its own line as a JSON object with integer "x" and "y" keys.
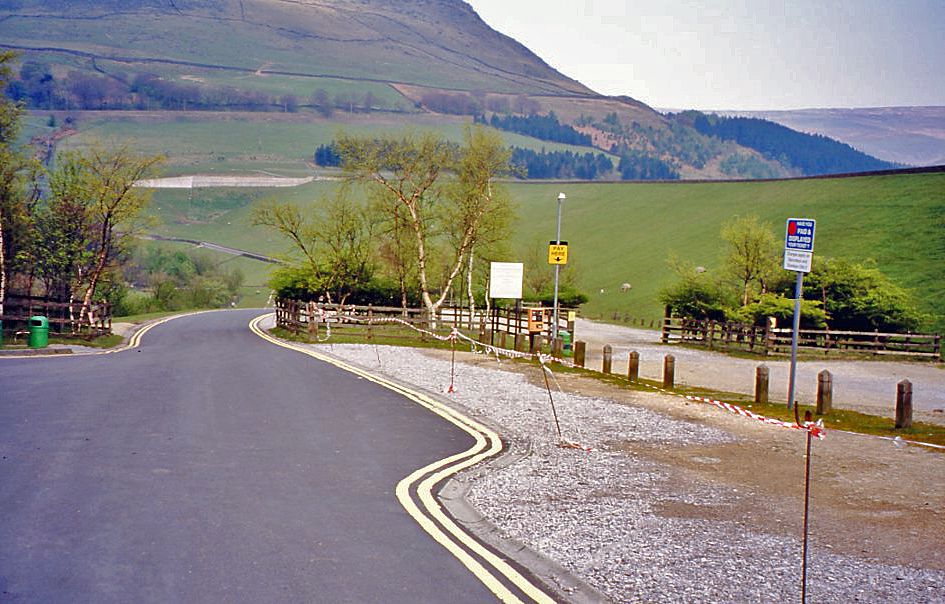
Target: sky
{"x": 738, "y": 54}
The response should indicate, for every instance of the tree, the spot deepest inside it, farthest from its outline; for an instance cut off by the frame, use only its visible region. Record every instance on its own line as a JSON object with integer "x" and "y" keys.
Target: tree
{"x": 857, "y": 296}
{"x": 104, "y": 180}
{"x": 334, "y": 242}
{"x": 751, "y": 253}
{"x": 406, "y": 174}
{"x": 480, "y": 212}
{"x": 18, "y": 189}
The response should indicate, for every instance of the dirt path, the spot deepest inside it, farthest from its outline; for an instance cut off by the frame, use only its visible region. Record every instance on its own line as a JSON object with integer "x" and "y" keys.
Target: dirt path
{"x": 868, "y": 386}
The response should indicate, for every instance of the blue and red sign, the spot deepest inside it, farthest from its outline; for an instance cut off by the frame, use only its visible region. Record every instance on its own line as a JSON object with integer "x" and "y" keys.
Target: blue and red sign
{"x": 800, "y": 234}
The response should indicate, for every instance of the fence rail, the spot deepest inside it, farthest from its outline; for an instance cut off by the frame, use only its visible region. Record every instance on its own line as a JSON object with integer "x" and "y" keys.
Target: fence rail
{"x": 313, "y": 317}
{"x": 63, "y": 316}
{"x": 733, "y": 336}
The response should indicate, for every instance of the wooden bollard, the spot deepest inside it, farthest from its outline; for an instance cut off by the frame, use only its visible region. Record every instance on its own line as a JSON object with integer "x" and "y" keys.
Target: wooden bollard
{"x": 762, "y": 375}
{"x": 904, "y": 404}
{"x": 502, "y": 337}
{"x": 633, "y": 368}
{"x": 669, "y": 371}
{"x": 580, "y": 348}
{"x": 608, "y": 358}
{"x": 824, "y": 392}
{"x": 519, "y": 342}
{"x": 557, "y": 344}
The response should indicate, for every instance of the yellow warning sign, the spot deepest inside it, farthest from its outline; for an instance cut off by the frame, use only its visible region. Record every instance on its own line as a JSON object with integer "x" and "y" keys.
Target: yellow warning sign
{"x": 558, "y": 252}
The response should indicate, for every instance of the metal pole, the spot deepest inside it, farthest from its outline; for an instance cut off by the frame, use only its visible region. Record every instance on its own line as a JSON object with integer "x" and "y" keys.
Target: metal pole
{"x": 554, "y": 327}
{"x": 798, "y": 289}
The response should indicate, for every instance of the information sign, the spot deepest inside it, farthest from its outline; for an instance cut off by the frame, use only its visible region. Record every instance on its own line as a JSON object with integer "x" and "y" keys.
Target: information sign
{"x": 800, "y": 234}
{"x": 799, "y": 244}
{"x": 505, "y": 280}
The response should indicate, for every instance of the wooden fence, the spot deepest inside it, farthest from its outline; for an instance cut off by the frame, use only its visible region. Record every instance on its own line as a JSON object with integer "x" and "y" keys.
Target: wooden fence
{"x": 63, "y": 316}
{"x": 315, "y": 317}
{"x": 732, "y": 336}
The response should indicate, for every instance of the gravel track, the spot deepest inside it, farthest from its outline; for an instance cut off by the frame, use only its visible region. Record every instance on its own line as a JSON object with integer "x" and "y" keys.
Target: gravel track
{"x": 639, "y": 519}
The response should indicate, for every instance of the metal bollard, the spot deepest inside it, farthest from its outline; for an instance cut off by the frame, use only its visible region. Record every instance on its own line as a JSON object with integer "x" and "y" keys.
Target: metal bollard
{"x": 762, "y": 378}
{"x": 608, "y": 358}
{"x": 824, "y": 392}
{"x": 669, "y": 371}
{"x": 904, "y": 404}
{"x": 633, "y": 369}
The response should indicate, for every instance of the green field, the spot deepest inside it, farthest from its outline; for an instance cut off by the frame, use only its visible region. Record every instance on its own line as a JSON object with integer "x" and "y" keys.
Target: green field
{"x": 624, "y": 232}
{"x": 211, "y": 142}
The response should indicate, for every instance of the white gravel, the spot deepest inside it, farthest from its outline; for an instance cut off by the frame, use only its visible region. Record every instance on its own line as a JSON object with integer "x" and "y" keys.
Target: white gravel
{"x": 598, "y": 514}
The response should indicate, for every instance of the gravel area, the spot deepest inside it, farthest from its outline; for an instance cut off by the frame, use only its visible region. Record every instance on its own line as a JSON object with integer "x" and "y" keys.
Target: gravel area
{"x": 640, "y": 521}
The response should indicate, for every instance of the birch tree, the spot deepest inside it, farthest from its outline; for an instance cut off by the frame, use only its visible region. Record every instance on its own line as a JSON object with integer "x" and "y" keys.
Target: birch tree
{"x": 413, "y": 173}
{"x": 104, "y": 179}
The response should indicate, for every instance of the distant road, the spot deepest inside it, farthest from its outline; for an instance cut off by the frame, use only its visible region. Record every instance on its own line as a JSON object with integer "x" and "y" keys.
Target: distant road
{"x": 212, "y": 466}
{"x": 214, "y": 246}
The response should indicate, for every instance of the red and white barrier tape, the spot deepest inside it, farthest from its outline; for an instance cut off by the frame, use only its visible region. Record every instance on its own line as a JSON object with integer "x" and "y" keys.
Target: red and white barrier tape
{"x": 815, "y": 428}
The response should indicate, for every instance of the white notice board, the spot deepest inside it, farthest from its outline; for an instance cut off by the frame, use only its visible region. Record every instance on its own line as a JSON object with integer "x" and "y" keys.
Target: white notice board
{"x": 505, "y": 280}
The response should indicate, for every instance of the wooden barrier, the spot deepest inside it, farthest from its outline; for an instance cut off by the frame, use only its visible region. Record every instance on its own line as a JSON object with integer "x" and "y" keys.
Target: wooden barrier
{"x": 63, "y": 316}
{"x": 777, "y": 341}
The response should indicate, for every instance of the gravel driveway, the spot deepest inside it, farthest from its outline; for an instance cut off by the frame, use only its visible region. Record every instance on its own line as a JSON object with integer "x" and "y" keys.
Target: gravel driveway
{"x": 868, "y": 386}
{"x": 683, "y": 502}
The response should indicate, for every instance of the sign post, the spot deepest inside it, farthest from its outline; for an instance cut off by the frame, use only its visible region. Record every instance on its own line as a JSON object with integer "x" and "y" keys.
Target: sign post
{"x": 557, "y": 255}
{"x": 798, "y": 257}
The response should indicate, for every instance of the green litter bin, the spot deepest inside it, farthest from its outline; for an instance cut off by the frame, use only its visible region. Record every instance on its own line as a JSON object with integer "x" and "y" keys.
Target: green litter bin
{"x": 565, "y": 336}
{"x": 39, "y": 332}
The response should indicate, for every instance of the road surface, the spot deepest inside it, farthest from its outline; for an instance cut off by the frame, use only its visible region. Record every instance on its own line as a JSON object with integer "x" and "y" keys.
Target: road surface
{"x": 209, "y": 465}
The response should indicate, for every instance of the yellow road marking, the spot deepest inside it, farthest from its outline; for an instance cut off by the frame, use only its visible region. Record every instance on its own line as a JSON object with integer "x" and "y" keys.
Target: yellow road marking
{"x": 487, "y": 444}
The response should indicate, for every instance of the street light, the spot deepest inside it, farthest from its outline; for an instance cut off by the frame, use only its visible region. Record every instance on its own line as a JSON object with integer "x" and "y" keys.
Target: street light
{"x": 554, "y": 328}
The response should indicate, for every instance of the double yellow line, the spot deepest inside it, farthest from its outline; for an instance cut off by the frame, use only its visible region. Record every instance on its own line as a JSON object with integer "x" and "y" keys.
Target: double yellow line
{"x": 488, "y": 567}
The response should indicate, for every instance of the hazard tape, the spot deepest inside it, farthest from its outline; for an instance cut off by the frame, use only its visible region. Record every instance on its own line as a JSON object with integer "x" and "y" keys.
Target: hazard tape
{"x": 815, "y": 428}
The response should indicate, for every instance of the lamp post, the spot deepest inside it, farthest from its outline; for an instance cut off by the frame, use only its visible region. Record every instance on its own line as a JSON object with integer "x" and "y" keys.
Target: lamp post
{"x": 554, "y": 328}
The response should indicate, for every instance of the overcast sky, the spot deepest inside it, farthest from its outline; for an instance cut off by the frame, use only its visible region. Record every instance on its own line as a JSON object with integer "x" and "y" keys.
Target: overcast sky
{"x": 738, "y": 54}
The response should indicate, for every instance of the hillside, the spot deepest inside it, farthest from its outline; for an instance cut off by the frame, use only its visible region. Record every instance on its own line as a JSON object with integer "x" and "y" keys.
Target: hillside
{"x": 337, "y": 59}
{"x": 440, "y": 43}
{"x": 913, "y": 136}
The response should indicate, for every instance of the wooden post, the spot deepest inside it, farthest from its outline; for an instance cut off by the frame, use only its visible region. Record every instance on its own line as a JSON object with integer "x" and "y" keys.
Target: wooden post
{"x": 669, "y": 371}
{"x": 824, "y": 392}
{"x": 608, "y": 358}
{"x": 633, "y": 369}
{"x": 664, "y": 338}
{"x": 519, "y": 341}
{"x": 904, "y": 404}
{"x": 762, "y": 375}
{"x": 370, "y": 322}
{"x": 556, "y": 349}
{"x": 502, "y": 336}
{"x": 579, "y": 350}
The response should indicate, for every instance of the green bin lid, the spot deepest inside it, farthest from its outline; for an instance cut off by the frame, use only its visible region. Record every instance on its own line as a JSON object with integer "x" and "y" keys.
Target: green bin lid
{"x": 39, "y": 321}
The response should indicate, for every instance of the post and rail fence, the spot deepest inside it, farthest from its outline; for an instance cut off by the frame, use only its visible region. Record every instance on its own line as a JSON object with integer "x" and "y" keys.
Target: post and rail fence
{"x": 497, "y": 325}
{"x": 63, "y": 317}
{"x": 724, "y": 336}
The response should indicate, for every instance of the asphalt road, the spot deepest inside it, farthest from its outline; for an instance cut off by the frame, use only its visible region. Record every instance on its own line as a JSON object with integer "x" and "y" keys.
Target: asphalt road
{"x": 210, "y": 466}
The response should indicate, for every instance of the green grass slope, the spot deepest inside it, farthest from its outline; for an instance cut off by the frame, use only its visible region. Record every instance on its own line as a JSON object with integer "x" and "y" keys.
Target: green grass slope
{"x": 441, "y": 43}
{"x": 624, "y": 233}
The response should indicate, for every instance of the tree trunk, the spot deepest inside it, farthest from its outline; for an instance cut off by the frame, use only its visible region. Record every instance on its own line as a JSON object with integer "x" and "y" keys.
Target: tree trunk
{"x": 3, "y": 272}
{"x": 469, "y": 287}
